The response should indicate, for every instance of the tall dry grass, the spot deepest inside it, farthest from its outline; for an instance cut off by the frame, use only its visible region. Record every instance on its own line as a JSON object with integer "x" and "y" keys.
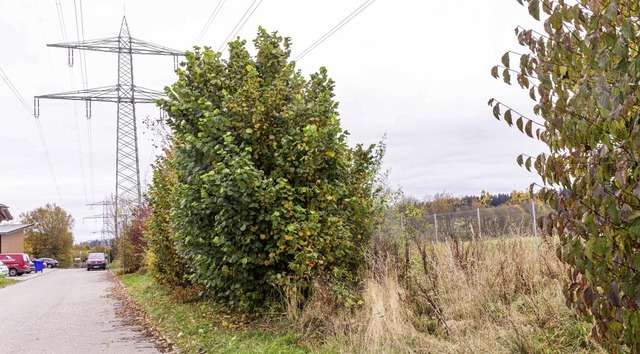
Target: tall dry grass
{"x": 484, "y": 296}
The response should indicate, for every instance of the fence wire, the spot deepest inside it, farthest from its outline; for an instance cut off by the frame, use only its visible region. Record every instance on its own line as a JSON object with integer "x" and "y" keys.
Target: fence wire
{"x": 501, "y": 221}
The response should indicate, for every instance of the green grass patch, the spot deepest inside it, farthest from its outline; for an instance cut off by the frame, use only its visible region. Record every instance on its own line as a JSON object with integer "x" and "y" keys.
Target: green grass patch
{"x": 4, "y": 281}
{"x": 203, "y": 327}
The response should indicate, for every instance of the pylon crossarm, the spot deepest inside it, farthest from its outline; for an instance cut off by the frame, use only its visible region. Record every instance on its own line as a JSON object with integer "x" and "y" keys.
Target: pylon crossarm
{"x": 104, "y": 94}
{"x": 144, "y": 47}
{"x": 111, "y": 45}
{"x": 147, "y": 94}
{"x": 100, "y": 45}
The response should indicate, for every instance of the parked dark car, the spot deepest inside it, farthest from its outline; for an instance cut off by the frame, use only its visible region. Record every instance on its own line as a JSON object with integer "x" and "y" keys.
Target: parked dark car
{"x": 50, "y": 262}
{"x": 96, "y": 261}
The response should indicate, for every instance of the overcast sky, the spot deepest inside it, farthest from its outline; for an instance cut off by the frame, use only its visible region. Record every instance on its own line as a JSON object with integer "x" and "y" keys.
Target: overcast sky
{"x": 418, "y": 71}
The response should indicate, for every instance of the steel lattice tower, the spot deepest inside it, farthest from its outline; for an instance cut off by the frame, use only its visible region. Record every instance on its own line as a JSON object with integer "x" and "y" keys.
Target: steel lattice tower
{"x": 126, "y": 95}
{"x": 127, "y": 164}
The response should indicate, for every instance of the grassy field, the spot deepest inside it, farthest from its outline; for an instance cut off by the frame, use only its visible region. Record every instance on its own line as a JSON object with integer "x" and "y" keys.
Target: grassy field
{"x": 5, "y": 281}
{"x": 493, "y": 296}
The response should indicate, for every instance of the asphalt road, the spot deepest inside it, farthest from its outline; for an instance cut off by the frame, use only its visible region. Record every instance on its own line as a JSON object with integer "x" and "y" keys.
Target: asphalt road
{"x": 65, "y": 311}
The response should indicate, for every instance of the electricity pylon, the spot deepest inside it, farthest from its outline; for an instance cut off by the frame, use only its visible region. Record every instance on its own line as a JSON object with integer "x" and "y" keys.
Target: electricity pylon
{"x": 126, "y": 95}
{"x": 107, "y": 214}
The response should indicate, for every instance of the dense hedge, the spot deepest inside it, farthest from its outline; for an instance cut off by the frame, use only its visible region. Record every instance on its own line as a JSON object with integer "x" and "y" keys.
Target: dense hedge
{"x": 268, "y": 194}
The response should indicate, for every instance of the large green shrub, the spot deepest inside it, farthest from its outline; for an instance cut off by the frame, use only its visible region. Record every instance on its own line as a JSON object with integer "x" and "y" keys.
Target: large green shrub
{"x": 168, "y": 266}
{"x": 269, "y": 195}
{"x": 583, "y": 74}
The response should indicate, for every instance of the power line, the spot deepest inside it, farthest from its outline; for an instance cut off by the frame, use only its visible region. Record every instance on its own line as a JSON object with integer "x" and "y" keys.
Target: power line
{"x": 72, "y": 79}
{"x": 16, "y": 93}
{"x": 14, "y": 90}
{"x": 234, "y": 32}
{"x": 85, "y": 84}
{"x": 335, "y": 28}
{"x": 48, "y": 156}
{"x": 213, "y": 16}
{"x": 80, "y": 37}
{"x": 44, "y": 36}
{"x": 63, "y": 27}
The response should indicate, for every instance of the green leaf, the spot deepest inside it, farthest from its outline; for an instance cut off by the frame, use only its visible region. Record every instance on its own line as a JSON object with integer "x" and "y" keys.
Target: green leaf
{"x": 534, "y": 9}
{"x": 627, "y": 29}
{"x": 556, "y": 21}
{"x": 613, "y": 295}
{"x": 505, "y": 59}
{"x": 507, "y": 117}
{"x": 523, "y": 81}
{"x": 634, "y": 229}
{"x": 588, "y": 248}
{"x": 519, "y": 124}
{"x": 506, "y": 76}
{"x": 528, "y": 128}
{"x": 494, "y": 72}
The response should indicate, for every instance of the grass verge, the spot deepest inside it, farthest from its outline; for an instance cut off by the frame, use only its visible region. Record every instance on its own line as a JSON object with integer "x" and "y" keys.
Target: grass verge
{"x": 203, "y": 327}
{"x": 4, "y": 281}
{"x": 485, "y": 296}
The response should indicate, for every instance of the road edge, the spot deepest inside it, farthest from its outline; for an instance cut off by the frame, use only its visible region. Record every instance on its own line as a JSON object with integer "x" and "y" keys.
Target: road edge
{"x": 133, "y": 313}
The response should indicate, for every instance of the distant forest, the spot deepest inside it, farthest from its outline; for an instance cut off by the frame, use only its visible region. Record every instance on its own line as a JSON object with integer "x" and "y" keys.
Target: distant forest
{"x": 447, "y": 203}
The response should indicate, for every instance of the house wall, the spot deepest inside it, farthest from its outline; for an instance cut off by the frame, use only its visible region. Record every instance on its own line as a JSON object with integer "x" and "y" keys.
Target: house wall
{"x": 13, "y": 243}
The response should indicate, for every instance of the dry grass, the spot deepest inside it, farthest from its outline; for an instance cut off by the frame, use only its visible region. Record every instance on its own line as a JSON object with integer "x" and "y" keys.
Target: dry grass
{"x": 489, "y": 296}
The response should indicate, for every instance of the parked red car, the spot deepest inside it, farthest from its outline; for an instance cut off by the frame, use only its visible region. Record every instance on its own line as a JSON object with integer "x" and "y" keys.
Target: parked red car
{"x": 18, "y": 263}
{"x": 96, "y": 261}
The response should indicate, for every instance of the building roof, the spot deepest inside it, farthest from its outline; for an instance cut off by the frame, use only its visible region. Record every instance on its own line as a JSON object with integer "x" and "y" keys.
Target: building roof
{"x": 4, "y": 213}
{"x": 9, "y": 229}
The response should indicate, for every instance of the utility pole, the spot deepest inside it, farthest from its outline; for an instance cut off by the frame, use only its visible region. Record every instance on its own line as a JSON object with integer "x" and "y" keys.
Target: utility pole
{"x": 126, "y": 95}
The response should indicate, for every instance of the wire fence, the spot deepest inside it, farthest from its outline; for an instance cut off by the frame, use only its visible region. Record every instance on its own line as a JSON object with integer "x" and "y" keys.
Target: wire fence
{"x": 501, "y": 221}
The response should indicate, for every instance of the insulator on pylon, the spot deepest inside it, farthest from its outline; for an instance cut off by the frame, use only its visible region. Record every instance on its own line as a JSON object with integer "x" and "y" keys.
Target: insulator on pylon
{"x": 70, "y": 60}
{"x": 36, "y": 107}
{"x": 87, "y": 107}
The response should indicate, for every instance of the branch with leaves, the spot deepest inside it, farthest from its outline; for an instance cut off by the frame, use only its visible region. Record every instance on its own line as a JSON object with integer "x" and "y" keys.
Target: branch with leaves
{"x": 586, "y": 69}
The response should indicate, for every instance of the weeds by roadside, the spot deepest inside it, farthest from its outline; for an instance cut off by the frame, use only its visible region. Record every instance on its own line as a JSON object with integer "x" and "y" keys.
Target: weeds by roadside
{"x": 5, "y": 281}
{"x": 490, "y": 296}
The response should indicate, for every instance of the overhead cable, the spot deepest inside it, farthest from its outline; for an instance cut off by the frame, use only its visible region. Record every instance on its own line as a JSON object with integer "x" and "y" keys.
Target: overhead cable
{"x": 335, "y": 28}
{"x": 213, "y": 16}
{"x": 16, "y": 93}
{"x": 63, "y": 26}
{"x": 85, "y": 84}
{"x": 63, "y": 29}
{"x": 240, "y": 24}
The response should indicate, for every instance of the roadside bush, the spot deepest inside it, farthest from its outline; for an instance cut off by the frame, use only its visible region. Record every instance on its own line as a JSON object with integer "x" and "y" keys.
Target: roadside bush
{"x": 269, "y": 196}
{"x": 131, "y": 243}
{"x": 167, "y": 266}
